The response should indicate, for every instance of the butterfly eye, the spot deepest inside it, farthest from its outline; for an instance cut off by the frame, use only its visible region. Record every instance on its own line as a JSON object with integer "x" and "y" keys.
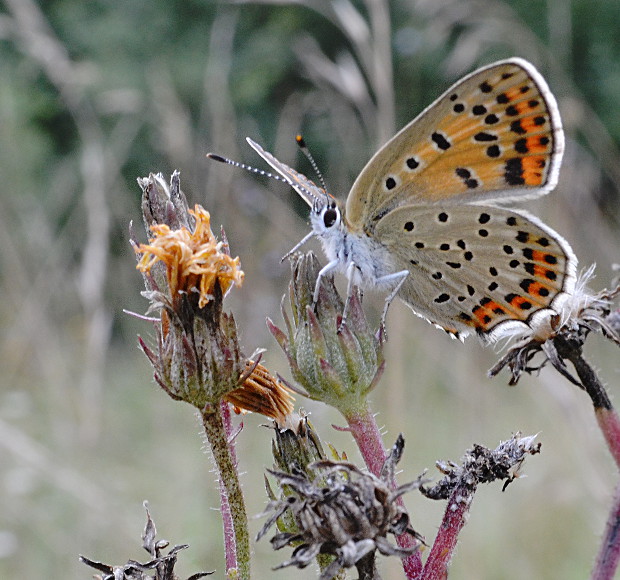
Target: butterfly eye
{"x": 330, "y": 217}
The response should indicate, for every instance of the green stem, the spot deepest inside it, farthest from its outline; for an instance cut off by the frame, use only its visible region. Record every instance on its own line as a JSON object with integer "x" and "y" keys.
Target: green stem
{"x": 230, "y": 548}
{"x": 229, "y": 478}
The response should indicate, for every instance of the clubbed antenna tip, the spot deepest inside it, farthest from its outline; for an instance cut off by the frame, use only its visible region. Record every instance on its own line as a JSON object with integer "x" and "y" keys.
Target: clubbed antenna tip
{"x": 219, "y": 158}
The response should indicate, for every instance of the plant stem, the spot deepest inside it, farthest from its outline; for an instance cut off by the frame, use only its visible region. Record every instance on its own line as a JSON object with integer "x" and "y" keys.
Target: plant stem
{"x": 609, "y": 424}
{"x": 230, "y": 548}
{"x": 606, "y": 415}
{"x": 455, "y": 516}
{"x": 233, "y": 506}
{"x": 609, "y": 555}
{"x": 366, "y": 433}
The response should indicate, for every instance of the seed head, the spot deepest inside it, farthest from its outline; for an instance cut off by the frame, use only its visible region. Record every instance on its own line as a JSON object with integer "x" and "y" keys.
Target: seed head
{"x": 341, "y": 511}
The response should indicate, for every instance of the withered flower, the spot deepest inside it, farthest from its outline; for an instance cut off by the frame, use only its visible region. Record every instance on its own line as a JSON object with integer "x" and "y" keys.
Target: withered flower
{"x": 295, "y": 447}
{"x": 582, "y": 314}
{"x": 343, "y": 512}
{"x": 195, "y": 261}
{"x": 483, "y": 465}
{"x": 188, "y": 272}
{"x": 479, "y": 465}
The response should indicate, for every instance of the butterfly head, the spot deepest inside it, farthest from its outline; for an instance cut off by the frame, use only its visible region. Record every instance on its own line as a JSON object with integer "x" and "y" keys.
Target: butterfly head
{"x": 326, "y": 215}
{"x": 329, "y": 226}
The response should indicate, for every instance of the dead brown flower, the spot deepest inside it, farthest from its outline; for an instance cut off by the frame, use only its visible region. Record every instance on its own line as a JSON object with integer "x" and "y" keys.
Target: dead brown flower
{"x": 343, "y": 512}
{"x": 195, "y": 261}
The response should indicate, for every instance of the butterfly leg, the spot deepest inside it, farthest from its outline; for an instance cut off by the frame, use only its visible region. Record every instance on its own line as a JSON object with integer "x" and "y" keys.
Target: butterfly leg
{"x": 351, "y": 270}
{"x": 322, "y": 272}
{"x": 297, "y": 246}
{"x": 400, "y": 278}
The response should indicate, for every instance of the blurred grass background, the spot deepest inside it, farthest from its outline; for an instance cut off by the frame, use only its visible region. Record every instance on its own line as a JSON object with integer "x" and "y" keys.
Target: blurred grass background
{"x": 95, "y": 94}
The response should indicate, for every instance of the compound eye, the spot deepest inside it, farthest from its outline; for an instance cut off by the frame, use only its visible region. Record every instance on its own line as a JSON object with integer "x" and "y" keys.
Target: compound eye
{"x": 330, "y": 217}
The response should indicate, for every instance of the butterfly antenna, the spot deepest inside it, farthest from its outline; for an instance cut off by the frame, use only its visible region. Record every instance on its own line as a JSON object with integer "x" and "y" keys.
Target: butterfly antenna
{"x": 249, "y": 168}
{"x": 304, "y": 149}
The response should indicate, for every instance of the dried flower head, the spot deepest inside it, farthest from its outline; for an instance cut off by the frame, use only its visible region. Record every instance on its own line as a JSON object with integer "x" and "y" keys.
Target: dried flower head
{"x": 343, "y": 512}
{"x": 187, "y": 273}
{"x": 483, "y": 465}
{"x": 296, "y": 445}
{"x": 195, "y": 261}
{"x": 479, "y": 465}
{"x": 336, "y": 363}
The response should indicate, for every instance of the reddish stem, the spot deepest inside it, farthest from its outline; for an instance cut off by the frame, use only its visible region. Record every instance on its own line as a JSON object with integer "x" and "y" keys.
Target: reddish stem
{"x": 609, "y": 555}
{"x": 606, "y": 415}
{"x": 366, "y": 433}
{"x": 455, "y": 516}
{"x": 609, "y": 423}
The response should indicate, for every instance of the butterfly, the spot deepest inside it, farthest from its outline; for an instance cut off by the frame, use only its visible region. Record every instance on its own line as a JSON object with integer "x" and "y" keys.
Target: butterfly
{"x": 425, "y": 218}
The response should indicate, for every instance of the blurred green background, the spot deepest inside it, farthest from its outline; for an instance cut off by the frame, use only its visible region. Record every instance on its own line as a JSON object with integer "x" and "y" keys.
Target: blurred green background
{"x": 95, "y": 94}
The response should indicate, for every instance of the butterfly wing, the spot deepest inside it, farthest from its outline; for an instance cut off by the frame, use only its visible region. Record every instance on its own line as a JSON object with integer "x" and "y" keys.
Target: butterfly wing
{"x": 496, "y": 135}
{"x": 475, "y": 267}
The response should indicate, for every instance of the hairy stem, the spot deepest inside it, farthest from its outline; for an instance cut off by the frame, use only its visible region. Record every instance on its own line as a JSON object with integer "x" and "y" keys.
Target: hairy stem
{"x": 230, "y": 548}
{"x": 609, "y": 554}
{"x": 606, "y": 415}
{"x": 455, "y": 516}
{"x": 366, "y": 433}
{"x": 234, "y": 505}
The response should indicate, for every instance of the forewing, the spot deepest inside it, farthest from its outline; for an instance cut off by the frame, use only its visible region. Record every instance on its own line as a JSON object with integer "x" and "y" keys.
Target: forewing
{"x": 496, "y": 135}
